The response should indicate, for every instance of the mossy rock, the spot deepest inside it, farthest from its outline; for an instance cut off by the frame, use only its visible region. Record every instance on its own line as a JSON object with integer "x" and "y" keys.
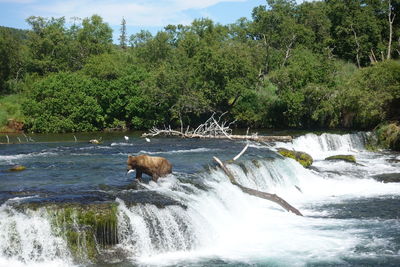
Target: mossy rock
{"x": 386, "y": 136}
{"x": 87, "y": 229}
{"x": 17, "y": 168}
{"x": 348, "y": 158}
{"x": 303, "y": 158}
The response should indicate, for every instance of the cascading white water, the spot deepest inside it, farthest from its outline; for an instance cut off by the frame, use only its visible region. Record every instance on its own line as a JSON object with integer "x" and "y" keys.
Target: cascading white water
{"x": 324, "y": 145}
{"x": 27, "y": 238}
{"x": 225, "y": 223}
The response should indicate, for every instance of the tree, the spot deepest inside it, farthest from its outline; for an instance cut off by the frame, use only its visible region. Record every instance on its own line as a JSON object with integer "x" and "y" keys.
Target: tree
{"x": 356, "y": 30}
{"x": 95, "y": 36}
{"x": 279, "y": 32}
{"x": 140, "y": 38}
{"x": 122, "y": 38}
{"x": 12, "y": 59}
{"x": 48, "y": 45}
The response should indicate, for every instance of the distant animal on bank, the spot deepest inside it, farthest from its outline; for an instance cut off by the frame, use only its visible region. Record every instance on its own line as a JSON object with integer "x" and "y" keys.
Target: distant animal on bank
{"x": 156, "y": 167}
{"x": 126, "y": 138}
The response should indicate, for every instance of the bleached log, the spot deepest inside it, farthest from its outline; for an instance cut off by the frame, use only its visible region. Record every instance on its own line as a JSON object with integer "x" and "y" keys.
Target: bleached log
{"x": 260, "y": 138}
{"x": 214, "y": 128}
{"x": 241, "y": 152}
{"x": 271, "y": 197}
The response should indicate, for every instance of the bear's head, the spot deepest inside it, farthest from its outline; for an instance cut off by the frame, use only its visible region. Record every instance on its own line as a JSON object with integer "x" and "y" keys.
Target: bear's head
{"x": 132, "y": 164}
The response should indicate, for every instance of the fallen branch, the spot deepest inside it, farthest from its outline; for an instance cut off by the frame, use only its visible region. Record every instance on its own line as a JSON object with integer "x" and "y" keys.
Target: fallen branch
{"x": 215, "y": 129}
{"x": 271, "y": 197}
{"x": 241, "y": 152}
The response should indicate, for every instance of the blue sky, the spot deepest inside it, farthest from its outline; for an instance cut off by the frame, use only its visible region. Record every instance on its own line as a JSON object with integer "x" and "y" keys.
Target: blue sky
{"x": 151, "y": 15}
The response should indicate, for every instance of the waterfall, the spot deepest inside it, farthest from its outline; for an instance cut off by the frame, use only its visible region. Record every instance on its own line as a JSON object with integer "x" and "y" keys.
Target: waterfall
{"x": 28, "y": 238}
{"x": 324, "y": 145}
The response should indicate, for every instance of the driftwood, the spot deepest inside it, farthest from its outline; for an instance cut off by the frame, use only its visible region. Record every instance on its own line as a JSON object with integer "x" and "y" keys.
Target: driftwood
{"x": 215, "y": 129}
{"x": 271, "y": 197}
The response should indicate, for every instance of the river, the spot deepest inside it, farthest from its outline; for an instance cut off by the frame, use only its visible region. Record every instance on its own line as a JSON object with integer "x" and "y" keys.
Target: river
{"x": 195, "y": 216}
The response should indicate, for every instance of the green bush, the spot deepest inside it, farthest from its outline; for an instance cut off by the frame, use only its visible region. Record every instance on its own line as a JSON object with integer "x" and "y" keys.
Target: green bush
{"x": 63, "y": 102}
{"x": 371, "y": 93}
{"x": 388, "y": 136}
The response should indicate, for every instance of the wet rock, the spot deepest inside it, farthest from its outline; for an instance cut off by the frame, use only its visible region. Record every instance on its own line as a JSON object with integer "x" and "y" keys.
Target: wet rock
{"x": 393, "y": 160}
{"x": 256, "y": 163}
{"x": 198, "y": 183}
{"x": 348, "y": 158}
{"x": 388, "y": 177}
{"x": 243, "y": 167}
{"x": 134, "y": 185}
{"x": 132, "y": 198}
{"x": 303, "y": 158}
{"x": 17, "y": 168}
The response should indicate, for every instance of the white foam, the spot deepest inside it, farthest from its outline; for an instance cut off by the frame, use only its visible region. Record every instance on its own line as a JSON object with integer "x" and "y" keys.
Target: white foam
{"x": 12, "y": 158}
{"x": 233, "y": 226}
{"x": 28, "y": 239}
{"x": 193, "y": 150}
{"x": 324, "y": 145}
{"x": 122, "y": 144}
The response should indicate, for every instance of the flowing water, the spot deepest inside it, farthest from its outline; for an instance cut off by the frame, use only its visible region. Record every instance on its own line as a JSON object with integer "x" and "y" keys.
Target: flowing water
{"x": 195, "y": 217}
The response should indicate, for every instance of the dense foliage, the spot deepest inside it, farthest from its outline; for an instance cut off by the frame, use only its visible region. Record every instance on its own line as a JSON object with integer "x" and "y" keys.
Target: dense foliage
{"x": 327, "y": 64}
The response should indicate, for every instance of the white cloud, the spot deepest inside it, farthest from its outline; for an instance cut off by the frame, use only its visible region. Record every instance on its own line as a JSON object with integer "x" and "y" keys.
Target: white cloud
{"x": 135, "y": 12}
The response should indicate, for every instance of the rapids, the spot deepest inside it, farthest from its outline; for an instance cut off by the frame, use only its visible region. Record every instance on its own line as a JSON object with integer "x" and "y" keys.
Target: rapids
{"x": 195, "y": 216}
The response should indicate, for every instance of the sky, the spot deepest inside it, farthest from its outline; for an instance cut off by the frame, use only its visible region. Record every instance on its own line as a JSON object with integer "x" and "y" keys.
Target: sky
{"x": 149, "y": 15}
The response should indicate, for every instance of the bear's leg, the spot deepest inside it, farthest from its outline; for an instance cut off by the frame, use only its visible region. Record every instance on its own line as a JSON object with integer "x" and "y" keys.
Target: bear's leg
{"x": 139, "y": 175}
{"x": 155, "y": 177}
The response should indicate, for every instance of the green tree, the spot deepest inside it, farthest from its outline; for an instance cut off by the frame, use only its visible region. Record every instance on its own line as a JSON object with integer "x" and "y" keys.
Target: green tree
{"x": 48, "y": 45}
{"x": 95, "y": 36}
{"x": 12, "y": 60}
{"x": 356, "y": 30}
{"x": 374, "y": 95}
{"x": 122, "y": 38}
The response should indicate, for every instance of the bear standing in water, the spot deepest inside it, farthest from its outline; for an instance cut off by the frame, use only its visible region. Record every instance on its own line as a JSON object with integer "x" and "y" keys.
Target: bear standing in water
{"x": 156, "y": 167}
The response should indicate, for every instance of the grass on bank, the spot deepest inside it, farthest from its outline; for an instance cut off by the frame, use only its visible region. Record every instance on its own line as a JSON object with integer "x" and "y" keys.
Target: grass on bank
{"x": 10, "y": 108}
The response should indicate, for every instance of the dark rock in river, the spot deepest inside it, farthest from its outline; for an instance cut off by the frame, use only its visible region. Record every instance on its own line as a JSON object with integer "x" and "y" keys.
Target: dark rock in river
{"x": 348, "y": 158}
{"x": 132, "y": 198}
{"x": 388, "y": 177}
{"x": 303, "y": 158}
{"x": 393, "y": 160}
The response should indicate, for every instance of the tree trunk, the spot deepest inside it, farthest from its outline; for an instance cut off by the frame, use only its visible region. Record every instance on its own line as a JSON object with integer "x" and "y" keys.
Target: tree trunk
{"x": 390, "y": 20}
{"x": 358, "y": 46}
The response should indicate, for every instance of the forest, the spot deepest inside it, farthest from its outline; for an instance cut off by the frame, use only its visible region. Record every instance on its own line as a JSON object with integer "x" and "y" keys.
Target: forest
{"x": 317, "y": 65}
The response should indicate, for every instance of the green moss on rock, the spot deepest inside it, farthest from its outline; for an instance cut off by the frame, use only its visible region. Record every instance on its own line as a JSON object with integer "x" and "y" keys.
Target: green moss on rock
{"x": 17, "y": 168}
{"x": 348, "y": 158}
{"x": 303, "y": 158}
{"x": 388, "y": 136}
{"x": 86, "y": 228}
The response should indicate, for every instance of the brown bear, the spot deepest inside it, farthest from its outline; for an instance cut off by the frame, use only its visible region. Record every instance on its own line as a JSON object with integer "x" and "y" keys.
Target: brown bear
{"x": 156, "y": 167}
